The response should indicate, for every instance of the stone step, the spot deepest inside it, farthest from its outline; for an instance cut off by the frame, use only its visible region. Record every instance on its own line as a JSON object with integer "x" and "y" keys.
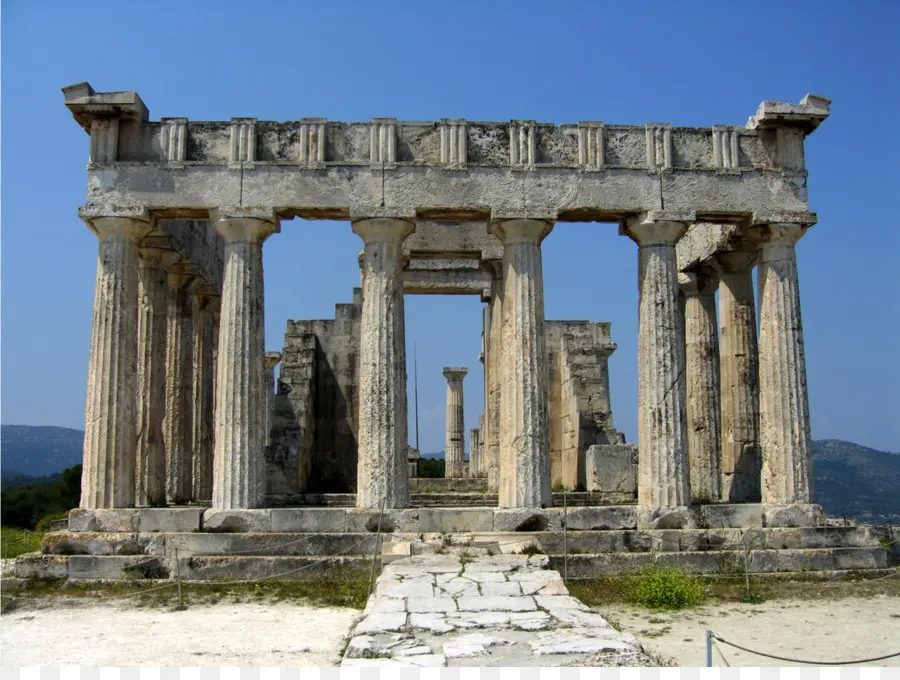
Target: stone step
{"x": 725, "y": 561}
{"x": 91, "y": 567}
{"x": 246, "y": 568}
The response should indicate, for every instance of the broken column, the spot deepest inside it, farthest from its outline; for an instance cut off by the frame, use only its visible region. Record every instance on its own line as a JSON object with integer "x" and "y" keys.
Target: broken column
{"x": 474, "y": 453}
{"x": 739, "y": 370}
{"x": 177, "y": 428}
{"x": 150, "y": 472}
{"x": 524, "y": 457}
{"x": 108, "y": 480}
{"x": 784, "y": 401}
{"x": 383, "y": 448}
{"x": 238, "y": 461}
{"x": 702, "y": 369}
{"x": 454, "y": 443}
{"x": 272, "y": 360}
{"x": 663, "y": 468}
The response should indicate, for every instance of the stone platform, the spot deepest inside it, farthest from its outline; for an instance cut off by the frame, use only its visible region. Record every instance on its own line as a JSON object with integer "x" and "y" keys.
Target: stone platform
{"x": 443, "y": 610}
{"x": 450, "y": 498}
{"x": 297, "y": 542}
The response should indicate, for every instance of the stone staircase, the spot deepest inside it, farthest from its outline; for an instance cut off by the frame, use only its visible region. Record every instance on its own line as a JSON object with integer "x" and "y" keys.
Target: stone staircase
{"x": 297, "y": 542}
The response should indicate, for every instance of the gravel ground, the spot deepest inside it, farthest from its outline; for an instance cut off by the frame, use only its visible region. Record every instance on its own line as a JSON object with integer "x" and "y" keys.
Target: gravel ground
{"x": 824, "y": 630}
{"x": 223, "y": 634}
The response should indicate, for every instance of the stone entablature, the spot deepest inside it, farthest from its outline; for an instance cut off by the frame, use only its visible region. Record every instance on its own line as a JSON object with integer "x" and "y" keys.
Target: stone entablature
{"x": 580, "y": 172}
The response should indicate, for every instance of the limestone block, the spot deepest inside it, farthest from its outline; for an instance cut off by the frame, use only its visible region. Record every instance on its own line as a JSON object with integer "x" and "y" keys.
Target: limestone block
{"x": 498, "y": 603}
{"x": 35, "y": 565}
{"x": 731, "y": 515}
{"x": 763, "y": 561}
{"x": 406, "y": 590}
{"x": 123, "y": 519}
{"x": 602, "y": 518}
{"x": 237, "y": 521}
{"x": 611, "y": 468}
{"x": 431, "y": 605}
{"x": 381, "y": 623}
{"x": 89, "y": 543}
{"x": 456, "y": 520}
{"x": 430, "y": 622}
{"x": 116, "y": 567}
{"x": 490, "y": 589}
{"x": 860, "y": 558}
{"x": 793, "y": 515}
{"x": 402, "y": 520}
{"x": 804, "y": 560}
{"x": 527, "y": 519}
{"x": 679, "y": 517}
{"x": 169, "y": 519}
{"x": 312, "y": 520}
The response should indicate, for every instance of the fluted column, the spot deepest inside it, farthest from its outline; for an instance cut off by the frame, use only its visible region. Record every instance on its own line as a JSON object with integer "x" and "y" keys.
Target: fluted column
{"x": 702, "y": 370}
{"x": 741, "y": 461}
{"x": 383, "y": 447}
{"x": 201, "y": 397}
{"x": 153, "y": 285}
{"x": 493, "y": 368}
{"x": 524, "y": 476}
{"x": 474, "y": 453}
{"x": 663, "y": 469}
{"x": 108, "y": 475}
{"x": 177, "y": 425}
{"x": 239, "y": 479}
{"x": 454, "y": 442}
{"x": 784, "y": 401}
{"x": 272, "y": 360}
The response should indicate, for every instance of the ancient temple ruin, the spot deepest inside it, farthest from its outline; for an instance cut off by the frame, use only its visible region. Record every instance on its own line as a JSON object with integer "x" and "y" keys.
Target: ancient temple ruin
{"x": 181, "y": 406}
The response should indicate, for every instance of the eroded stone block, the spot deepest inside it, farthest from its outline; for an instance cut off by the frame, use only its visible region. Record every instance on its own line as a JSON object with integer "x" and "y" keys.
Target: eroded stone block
{"x": 732, "y": 515}
{"x": 456, "y": 520}
{"x": 402, "y": 520}
{"x": 119, "y": 519}
{"x": 602, "y": 518}
{"x": 169, "y": 519}
{"x": 313, "y": 520}
{"x": 237, "y": 521}
{"x": 611, "y": 468}
{"x": 794, "y": 515}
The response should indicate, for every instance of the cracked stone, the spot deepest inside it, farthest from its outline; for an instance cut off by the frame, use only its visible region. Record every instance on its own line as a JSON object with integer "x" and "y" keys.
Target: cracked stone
{"x": 411, "y": 590}
{"x": 431, "y": 622}
{"x": 426, "y": 605}
{"x": 553, "y": 602}
{"x": 497, "y": 603}
{"x": 486, "y": 576}
{"x": 381, "y": 623}
{"x": 501, "y": 589}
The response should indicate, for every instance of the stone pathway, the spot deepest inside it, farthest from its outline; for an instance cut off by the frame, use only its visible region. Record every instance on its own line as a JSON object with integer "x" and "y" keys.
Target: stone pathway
{"x": 448, "y": 610}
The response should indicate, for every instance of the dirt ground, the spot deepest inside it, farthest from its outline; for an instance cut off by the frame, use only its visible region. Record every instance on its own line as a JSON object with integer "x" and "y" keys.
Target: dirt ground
{"x": 223, "y": 634}
{"x": 824, "y": 630}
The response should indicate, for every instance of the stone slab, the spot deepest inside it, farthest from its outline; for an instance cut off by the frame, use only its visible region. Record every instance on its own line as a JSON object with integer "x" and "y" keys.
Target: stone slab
{"x": 314, "y": 520}
{"x": 117, "y": 520}
{"x": 500, "y": 604}
{"x": 237, "y": 521}
{"x": 169, "y": 519}
{"x": 367, "y": 521}
{"x": 381, "y": 623}
{"x": 796, "y": 515}
{"x": 732, "y": 515}
{"x": 431, "y": 605}
{"x": 456, "y": 520}
{"x": 526, "y": 519}
{"x": 42, "y": 567}
{"x": 116, "y": 567}
{"x": 611, "y": 468}
{"x": 602, "y": 518}
{"x": 680, "y": 517}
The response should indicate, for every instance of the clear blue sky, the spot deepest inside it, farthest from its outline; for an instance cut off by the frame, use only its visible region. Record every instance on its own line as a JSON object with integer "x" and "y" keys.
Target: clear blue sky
{"x": 689, "y": 63}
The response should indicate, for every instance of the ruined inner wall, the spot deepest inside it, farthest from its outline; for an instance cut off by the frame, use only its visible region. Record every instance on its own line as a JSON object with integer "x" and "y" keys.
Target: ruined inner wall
{"x": 580, "y": 413}
{"x": 316, "y": 415}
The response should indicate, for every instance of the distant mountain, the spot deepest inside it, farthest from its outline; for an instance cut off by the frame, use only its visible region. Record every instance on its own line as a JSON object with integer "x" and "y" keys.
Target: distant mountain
{"x": 38, "y": 451}
{"x": 856, "y": 481}
{"x": 849, "y": 479}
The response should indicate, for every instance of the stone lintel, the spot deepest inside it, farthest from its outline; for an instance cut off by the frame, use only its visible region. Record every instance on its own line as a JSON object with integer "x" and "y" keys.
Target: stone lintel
{"x": 87, "y": 105}
{"x": 807, "y": 115}
{"x": 368, "y": 212}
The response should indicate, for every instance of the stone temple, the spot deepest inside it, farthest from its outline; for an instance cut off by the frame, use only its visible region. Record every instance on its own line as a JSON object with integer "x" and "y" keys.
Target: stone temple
{"x": 186, "y": 429}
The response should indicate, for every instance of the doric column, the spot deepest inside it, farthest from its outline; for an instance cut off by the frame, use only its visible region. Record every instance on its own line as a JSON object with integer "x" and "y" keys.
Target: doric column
{"x": 702, "y": 370}
{"x": 524, "y": 476}
{"x": 663, "y": 469}
{"x": 153, "y": 285}
{"x": 784, "y": 402}
{"x": 272, "y": 360}
{"x": 239, "y": 479}
{"x": 201, "y": 396}
{"x": 177, "y": 425}
{"x": 493, "y": 368}
{"x": 741, "y": 462}
{"x": 381, "y": 470}
{"x": 454, "y": 442}
{"x": 107, "y": 480}
{"x": 474, "y": 454}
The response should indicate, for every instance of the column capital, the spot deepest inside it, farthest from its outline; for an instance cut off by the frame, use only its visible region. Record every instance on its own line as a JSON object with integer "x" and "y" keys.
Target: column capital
{"x": 244, "y": 224}
{"x": 656, "y": 228}
{"x": 512, "y": 230}
{"x": 272, "y": 359}
{"x": 383, "y": 229}
{"x": 735, "y": 261}
{"x": 455, "y": 374}
{"x": 777, "y": 234}
{"x": 155, "y": 257}
{"x": 699, "y": 282}
{"x": 128, "y": 223}
{"x": 88, "y": 213}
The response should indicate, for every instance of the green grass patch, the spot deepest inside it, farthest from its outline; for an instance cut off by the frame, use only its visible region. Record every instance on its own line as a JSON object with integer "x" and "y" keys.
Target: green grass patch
{"x": 15, "y": 542}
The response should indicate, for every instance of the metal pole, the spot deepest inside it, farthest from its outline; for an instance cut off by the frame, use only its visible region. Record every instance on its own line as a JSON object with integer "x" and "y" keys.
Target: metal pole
{"x": 377, "y": 547}
{"x": 178, "y": 580}
{"x": 709, "y": 643}
{"x": 565, "y": 537}
{"x": 416, "y": 380}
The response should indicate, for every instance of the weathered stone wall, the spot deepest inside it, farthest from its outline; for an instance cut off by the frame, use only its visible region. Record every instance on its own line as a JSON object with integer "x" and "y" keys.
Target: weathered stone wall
{"x": 316, "y": 413}
{"x": 580, "y": 411}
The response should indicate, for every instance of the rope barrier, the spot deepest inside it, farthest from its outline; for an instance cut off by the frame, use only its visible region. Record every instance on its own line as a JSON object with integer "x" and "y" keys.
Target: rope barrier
{"x": 714, "y": 637}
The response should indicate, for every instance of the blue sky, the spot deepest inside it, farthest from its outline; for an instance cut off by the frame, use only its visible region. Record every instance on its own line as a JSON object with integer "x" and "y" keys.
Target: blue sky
{"x": 688, "y": 63}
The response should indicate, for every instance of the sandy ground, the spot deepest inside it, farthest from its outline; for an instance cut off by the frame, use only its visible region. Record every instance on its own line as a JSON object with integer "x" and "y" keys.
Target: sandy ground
{"x": 223, "y": 634}
{"x": 824, "y": 630}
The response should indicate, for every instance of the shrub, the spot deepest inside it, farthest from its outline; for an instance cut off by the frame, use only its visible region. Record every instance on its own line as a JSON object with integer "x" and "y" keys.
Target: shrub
{"x": 664, "y": 588}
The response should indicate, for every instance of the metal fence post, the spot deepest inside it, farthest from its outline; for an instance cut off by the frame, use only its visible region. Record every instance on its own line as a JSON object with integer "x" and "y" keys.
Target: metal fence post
{"x": 709, "y": 642}
{"x": 565, "y": 537}
{"x": 178, "y": 580}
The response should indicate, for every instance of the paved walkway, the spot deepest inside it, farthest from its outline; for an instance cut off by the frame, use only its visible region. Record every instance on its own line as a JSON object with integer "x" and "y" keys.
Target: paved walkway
{"x": 446, "y": 610}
